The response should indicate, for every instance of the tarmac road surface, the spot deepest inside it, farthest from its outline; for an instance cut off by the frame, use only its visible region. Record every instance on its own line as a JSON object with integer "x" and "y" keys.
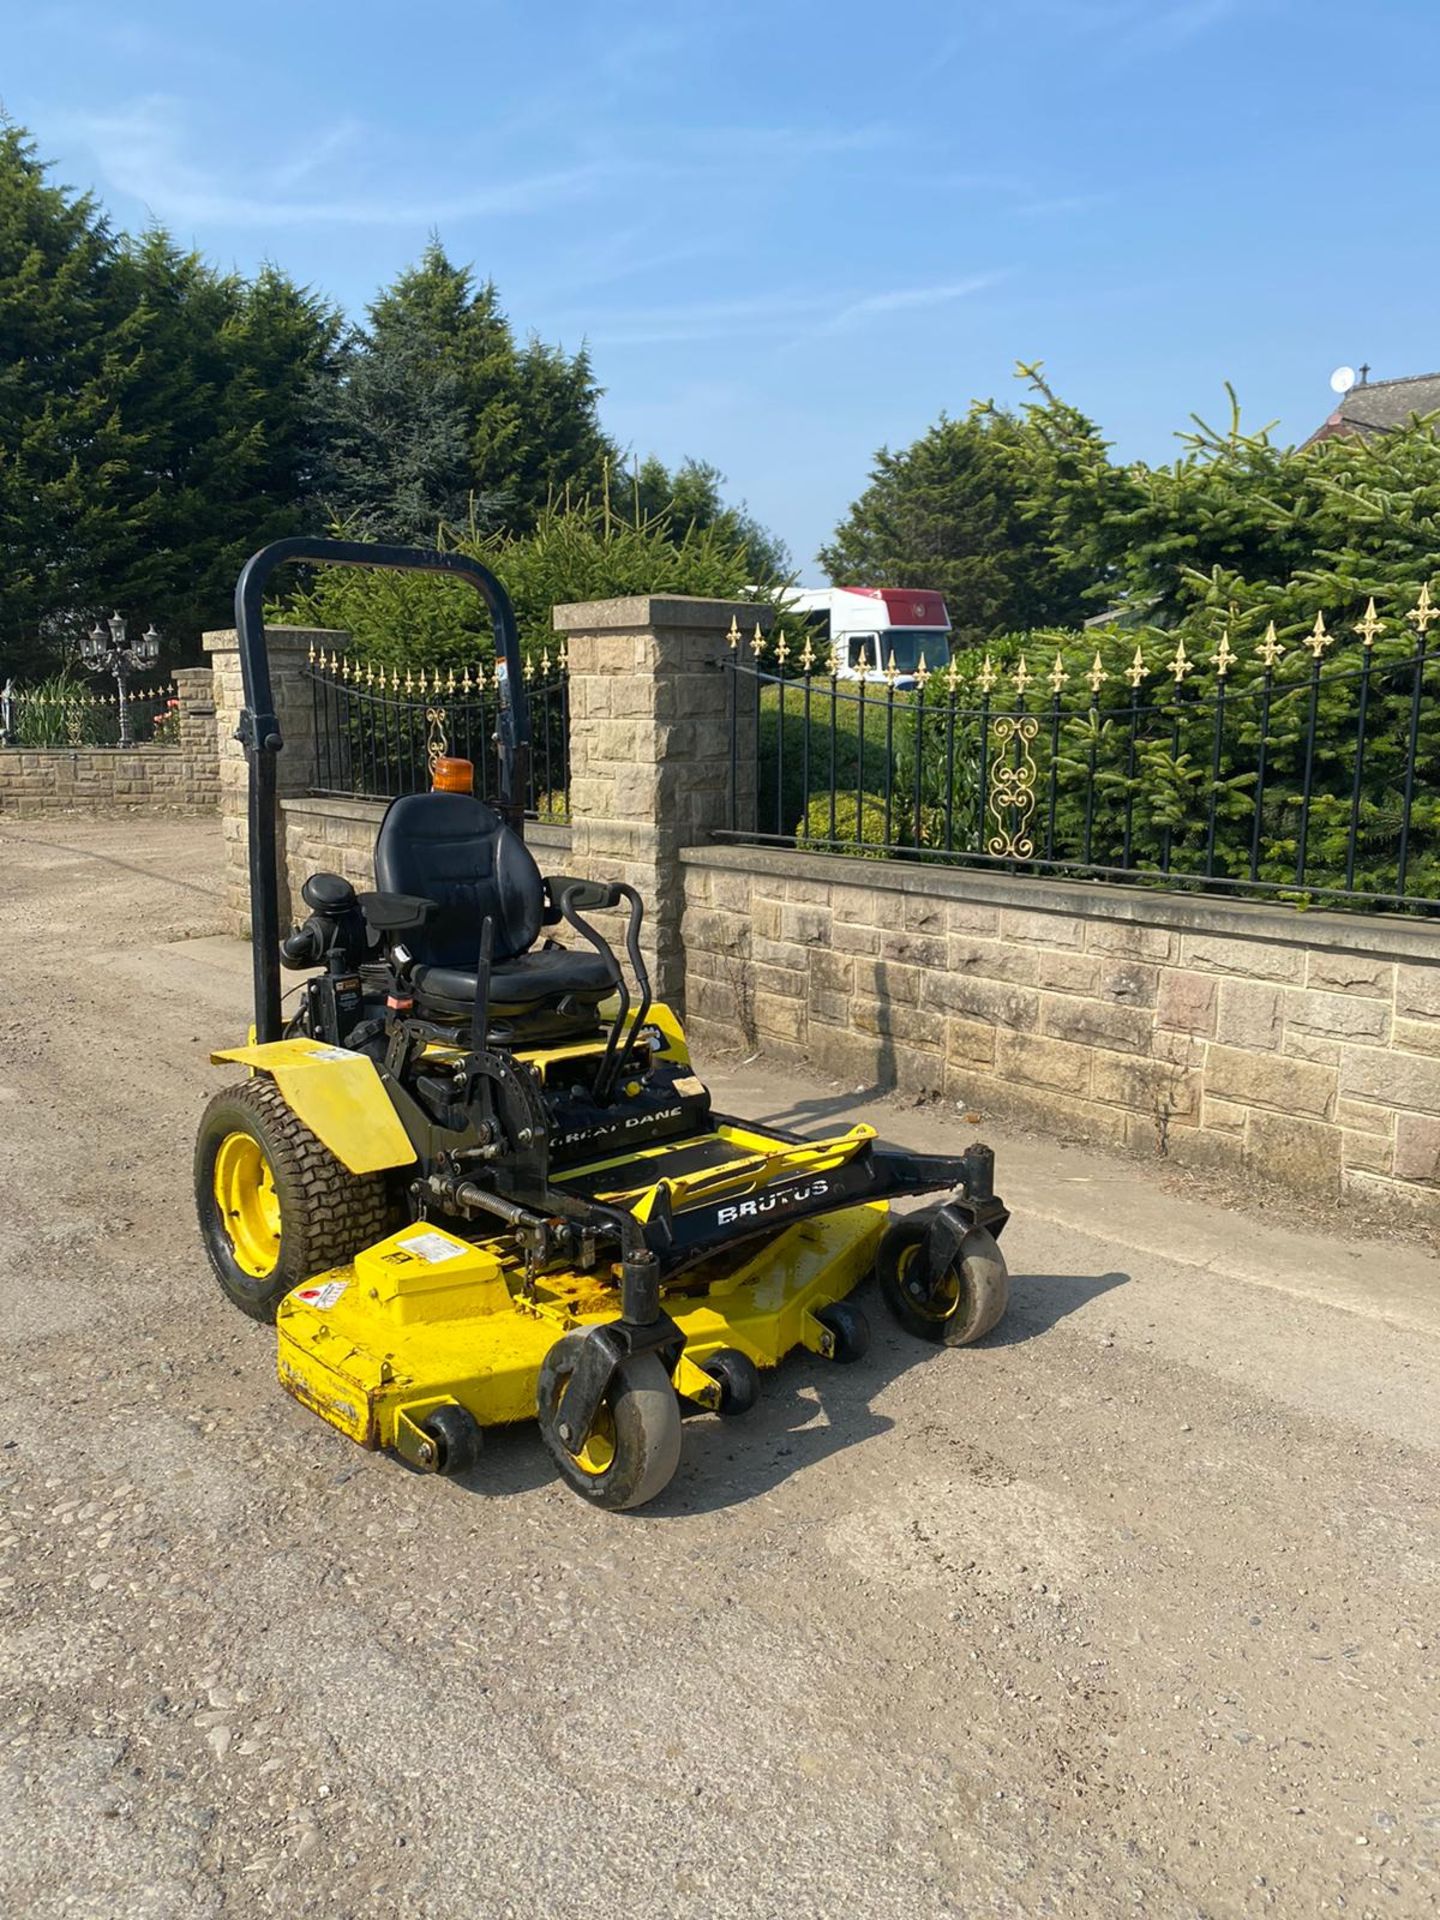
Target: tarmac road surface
{"x": 1131, "y": 1609}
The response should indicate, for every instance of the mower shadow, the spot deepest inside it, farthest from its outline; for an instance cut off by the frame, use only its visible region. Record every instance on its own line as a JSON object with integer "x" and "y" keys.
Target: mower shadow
{"x": 810, "y": 1409}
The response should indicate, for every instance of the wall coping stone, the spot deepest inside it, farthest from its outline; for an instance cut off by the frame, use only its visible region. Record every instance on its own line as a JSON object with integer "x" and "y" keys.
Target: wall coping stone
{"x": 1393, "y": 937}
{"x": 277, "y": 639}
{"x": 642, "y": 612}
{"x": 371, "y": 812}
{"x": 152, "y": 750}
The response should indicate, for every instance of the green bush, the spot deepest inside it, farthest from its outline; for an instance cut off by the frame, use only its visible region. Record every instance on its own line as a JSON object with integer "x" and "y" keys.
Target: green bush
{"x": 59, "y": 712}
{"x": 859, "y": 826}
{"x": 585, "y": 551}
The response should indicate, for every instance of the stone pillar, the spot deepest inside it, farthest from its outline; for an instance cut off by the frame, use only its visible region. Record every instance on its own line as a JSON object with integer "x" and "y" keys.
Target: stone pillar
{"x": 195, "y": 690}
{"x": 295, "y": 768}
{"x": 650, "y": 749}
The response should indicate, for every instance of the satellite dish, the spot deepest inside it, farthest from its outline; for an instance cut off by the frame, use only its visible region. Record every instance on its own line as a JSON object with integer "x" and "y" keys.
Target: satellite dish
{"x": 1342, "y": 379}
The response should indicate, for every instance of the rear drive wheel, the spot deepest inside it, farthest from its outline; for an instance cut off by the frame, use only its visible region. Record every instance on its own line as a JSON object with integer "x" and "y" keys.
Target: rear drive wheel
{"x": 633, "y": 1448}
{"x": 275, "y": 1205}
{"x": 959, "y": 1307}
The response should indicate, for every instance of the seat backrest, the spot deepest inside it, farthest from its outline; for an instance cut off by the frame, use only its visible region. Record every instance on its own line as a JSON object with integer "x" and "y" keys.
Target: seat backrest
{"x": 458, "y": 852}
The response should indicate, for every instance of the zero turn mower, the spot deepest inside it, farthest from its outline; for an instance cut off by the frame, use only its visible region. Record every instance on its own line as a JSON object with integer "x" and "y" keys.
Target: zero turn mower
{"x": 475, "y": 1179}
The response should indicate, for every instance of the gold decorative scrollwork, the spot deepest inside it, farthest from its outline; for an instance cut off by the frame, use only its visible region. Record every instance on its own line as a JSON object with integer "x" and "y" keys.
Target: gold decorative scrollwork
{"x": 437, "y": 744}
{"x": 1012, "y": 786}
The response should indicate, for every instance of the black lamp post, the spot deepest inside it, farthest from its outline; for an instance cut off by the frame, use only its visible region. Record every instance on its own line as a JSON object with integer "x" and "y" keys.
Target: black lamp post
{"x": 106, "y": 649}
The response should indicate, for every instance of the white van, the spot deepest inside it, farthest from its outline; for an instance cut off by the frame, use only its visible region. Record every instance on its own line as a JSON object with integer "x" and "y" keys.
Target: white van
{"x": 868, "y": 628}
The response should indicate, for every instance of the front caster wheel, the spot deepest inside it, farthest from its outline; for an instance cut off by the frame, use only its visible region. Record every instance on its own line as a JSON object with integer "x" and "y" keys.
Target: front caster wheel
{"x": 738, "y": 1379}
{"x": 633, "y": 1448}
{"x": 849, "y": 1328}
{"x": 456, "y": 1437}
{"x": 962, "y": 1304}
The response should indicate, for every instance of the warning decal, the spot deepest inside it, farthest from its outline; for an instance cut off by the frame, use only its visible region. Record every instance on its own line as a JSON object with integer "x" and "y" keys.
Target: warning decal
{"x": 323, "y": 1297}
{"x": 433, "y": 1247}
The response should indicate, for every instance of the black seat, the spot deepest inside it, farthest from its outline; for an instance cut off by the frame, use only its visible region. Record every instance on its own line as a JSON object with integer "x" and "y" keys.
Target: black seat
{"x": 460, "y": 853}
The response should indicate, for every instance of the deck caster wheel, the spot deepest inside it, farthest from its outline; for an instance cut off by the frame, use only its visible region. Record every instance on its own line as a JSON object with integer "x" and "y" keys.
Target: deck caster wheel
{"x": 738, "y": 1379}
{"x": 633, "y": 1448}
{"x": 850, "y": 1328}
{"x": 959, "y": 1307}
{"x": 456, "y": 1437}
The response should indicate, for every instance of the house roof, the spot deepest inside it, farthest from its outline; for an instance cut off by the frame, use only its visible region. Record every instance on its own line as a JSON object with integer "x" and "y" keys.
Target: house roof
{"x": 1380, "y": 406}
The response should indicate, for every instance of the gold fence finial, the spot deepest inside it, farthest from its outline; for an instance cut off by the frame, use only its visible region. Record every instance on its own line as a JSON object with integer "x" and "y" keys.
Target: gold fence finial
{"x": 952, "y": 675}
{"x": 1135, "y": 672}
{"x": 1058, "y": 675}
{"x": 922, "y": 672}
{"x": 807, "y": 656}
{"x": 1022, "y": 676}
{"x": 1371, "y": 626}
{"x": 1318, "y": 639}
{"x": 1181, "y": 664}
{"x": 757, "y": 641}
{"x": 891, "y": 671}
{"x": 1422, "y": 616}
{"x": 1097, "y": 675}
{"x": 1270, "y": 649}
{"x": 733, "y": 636}
{"x": 987, "y": 675}
{"x": 1225, "y": 655}
{"x": 782, "y": 649}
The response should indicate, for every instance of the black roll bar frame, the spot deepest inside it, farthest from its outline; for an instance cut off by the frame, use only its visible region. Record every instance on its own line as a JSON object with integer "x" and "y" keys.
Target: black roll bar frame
{"x": 259, "y": 728}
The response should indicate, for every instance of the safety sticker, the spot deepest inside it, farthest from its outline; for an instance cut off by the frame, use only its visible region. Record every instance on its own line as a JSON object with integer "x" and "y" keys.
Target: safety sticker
{"x": 433, "y": 1247}
{"x": 323, "y": 1297}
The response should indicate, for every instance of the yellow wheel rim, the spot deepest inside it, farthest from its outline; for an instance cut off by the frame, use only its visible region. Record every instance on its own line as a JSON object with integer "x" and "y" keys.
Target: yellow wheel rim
{"x": 597, "y": 1456}
{"x": 249, "y": 1205}
{"x": 943, "y": 1300}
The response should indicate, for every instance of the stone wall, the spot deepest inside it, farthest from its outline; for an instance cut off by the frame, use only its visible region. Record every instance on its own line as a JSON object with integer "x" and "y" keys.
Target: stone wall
{"x": 650, "y": 750}
{"x": 295, "y": 767}
{"x": 1305, "y": 1048}
{"x": 183, "y": 778}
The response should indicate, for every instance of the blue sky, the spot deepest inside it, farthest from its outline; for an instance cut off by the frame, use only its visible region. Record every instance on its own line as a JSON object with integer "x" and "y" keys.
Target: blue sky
{"x": 794, "y": 231}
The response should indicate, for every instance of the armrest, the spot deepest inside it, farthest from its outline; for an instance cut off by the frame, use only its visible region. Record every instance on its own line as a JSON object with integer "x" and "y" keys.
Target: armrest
{"x": 395, "y": 912}
{"x": 592, "y": 896}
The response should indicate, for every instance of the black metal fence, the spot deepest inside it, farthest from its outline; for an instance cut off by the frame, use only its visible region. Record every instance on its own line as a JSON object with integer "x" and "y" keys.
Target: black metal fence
{"x": 380, "y": 730}
{"x": 62, "y": 712}
{"x": 1307, "y": 769}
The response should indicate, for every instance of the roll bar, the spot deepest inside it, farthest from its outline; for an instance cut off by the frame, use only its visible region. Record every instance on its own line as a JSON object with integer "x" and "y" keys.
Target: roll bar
{"x": 259, "y": 729}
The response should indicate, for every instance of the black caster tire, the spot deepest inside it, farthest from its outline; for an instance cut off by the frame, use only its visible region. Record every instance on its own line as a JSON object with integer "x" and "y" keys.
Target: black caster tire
{"x": 966, "y": 1303}
{"x": 275, "y": 1205}
{"x": 851, "y": 1331}
{"x": 634, "y": 1448}
{"x": 738, "y": 1379}
{"x": 457, "y": 1438}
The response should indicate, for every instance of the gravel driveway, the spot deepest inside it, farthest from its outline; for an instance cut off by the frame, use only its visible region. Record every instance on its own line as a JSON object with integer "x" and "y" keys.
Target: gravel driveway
{"x": 1131, "y": 1610}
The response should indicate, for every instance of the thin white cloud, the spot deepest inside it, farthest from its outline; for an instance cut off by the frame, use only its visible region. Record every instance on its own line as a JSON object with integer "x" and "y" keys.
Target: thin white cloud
{"x": 905, "y": 300}
{"x": 140, "y": 151}
{"x": 791, "y": 316}
{"x": 147, "y": 150}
